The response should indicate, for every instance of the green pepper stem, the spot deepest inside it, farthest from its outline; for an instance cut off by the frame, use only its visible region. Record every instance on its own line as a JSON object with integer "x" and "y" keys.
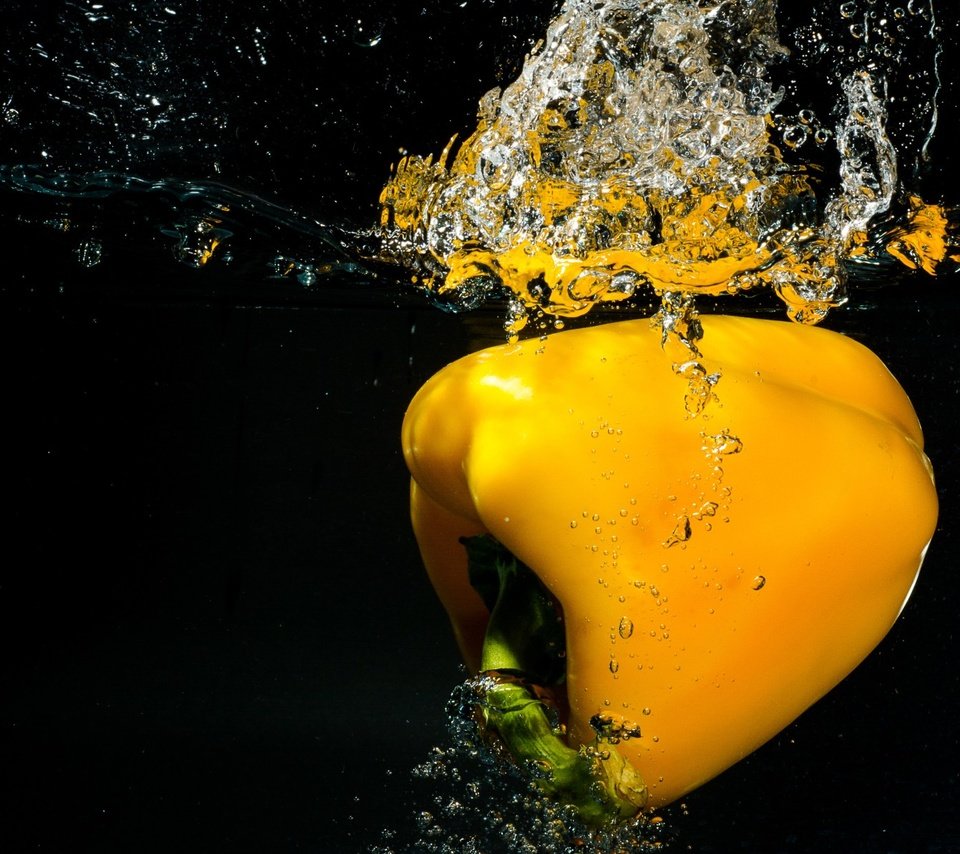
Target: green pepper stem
{"x": 524, "y": 647}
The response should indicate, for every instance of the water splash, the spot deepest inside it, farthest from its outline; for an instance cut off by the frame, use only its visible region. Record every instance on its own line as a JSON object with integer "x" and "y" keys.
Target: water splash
{"x": 151, "y": 92}
{"x": 201, "y": 224}
{"x": 637, "y": 148}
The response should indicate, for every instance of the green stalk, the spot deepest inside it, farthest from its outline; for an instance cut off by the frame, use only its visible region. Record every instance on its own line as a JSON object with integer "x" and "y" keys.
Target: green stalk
{"x": 524, "y": 648}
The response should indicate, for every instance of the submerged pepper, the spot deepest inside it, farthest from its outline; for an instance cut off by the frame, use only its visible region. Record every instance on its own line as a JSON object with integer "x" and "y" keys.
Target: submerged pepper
{"x": 720, "y": 540}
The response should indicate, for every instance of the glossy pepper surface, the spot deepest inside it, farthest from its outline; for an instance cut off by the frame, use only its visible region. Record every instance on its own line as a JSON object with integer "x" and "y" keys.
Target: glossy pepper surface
{"x": 719, "y": 567}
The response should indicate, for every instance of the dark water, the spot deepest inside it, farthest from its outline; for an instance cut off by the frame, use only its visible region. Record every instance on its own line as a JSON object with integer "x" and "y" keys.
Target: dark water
{"x": 218, "y": 635}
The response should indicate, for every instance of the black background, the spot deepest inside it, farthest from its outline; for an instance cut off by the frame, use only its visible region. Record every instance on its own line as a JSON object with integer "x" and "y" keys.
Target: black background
{"x": 217, "y": 635}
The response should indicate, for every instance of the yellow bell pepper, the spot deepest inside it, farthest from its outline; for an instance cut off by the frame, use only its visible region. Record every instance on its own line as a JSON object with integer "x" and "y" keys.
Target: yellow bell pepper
{"x": 714, "y": 569}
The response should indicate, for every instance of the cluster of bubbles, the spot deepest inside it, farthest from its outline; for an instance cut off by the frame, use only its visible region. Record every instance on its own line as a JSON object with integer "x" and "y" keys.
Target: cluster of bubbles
{"x": 483, "y": 805}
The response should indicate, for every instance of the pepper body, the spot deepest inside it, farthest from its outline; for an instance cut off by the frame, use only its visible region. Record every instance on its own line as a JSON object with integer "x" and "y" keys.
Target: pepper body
{"x": 719, "y": 569}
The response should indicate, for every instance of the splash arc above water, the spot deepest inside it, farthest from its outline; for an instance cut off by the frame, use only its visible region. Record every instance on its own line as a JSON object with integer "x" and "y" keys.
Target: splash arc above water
{"x": 636, "y": 149}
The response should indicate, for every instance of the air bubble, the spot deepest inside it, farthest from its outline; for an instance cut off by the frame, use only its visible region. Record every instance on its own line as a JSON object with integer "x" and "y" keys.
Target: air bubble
{"x": 681, "y": 532}
{"x": 794, "y": 136}
{"x": 707, "y": 509}
{"x": 722, "y": 444}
